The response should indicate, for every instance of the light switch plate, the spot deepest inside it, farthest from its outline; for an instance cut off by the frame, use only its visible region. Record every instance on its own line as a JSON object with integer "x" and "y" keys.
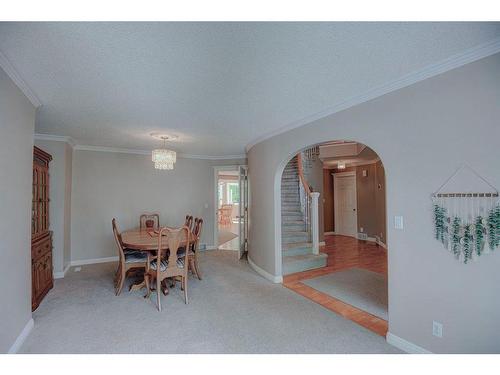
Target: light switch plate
{"x": 437, "y": 329}
{"x": 398, "y": 222}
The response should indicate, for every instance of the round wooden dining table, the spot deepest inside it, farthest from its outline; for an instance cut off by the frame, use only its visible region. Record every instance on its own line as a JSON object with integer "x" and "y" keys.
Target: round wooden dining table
{"x": 147, "y": 240}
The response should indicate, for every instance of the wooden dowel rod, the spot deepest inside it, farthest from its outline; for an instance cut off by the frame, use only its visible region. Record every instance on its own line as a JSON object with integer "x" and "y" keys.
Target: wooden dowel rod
{"x": 465, "y": 195}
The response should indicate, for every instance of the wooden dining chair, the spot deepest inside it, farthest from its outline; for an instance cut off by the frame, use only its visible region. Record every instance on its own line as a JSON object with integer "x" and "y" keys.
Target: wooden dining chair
{"x": 226, "y": 214}
{"x": 149, "y": 221}
{"x": 193, "y": 254}
{"x": 128, "y": 260}
{"x": 168, "y": 264}
{"x": 189, "y": 222}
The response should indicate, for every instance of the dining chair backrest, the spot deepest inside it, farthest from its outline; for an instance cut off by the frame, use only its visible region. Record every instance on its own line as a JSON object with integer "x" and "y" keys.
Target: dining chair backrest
{"x": 174, "y": 238}
{"x": 118, "y": 240}
{"x": 149, "y": 221}
{"x": 189, "y": 222}
{"x": 198, "y": 226}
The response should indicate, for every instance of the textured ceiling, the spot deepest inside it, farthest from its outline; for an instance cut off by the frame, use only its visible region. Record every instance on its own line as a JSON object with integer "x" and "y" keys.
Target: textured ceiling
{"x": 218, "y": 86}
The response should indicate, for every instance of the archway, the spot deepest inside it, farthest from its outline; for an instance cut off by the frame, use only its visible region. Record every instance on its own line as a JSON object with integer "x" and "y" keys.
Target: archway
{"x": 351, "y": 265}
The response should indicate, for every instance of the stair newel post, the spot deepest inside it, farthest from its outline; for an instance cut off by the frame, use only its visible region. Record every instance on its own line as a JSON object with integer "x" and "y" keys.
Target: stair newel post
{"x": 315, "y": 222}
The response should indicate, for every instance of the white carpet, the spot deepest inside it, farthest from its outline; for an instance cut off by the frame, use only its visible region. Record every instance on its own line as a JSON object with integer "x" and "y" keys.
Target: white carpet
{"x": 232, "y": 310}
{"x": 360, "y": 288}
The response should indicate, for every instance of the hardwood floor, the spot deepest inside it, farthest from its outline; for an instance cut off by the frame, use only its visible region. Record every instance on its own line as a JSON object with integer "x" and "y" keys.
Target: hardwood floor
{"x": 344, "y": 252}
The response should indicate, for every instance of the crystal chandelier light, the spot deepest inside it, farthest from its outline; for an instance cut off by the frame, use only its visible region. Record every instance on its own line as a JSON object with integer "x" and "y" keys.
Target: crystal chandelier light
{"x": 164, "y": 158}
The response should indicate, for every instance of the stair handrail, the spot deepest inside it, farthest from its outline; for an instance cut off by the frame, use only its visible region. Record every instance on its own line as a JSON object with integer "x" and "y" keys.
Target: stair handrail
{"x": 309, "y": 205}
{"x": 302, "y": 178}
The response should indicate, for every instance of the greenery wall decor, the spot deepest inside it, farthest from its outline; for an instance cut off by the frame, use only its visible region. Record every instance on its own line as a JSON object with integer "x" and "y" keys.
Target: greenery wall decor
{"x": 465, "y": 239}
{"x": 467, "y": 224}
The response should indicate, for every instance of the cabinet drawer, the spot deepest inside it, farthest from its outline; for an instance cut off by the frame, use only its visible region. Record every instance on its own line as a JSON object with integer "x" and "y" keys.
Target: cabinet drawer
{"x": 41, "y": 248}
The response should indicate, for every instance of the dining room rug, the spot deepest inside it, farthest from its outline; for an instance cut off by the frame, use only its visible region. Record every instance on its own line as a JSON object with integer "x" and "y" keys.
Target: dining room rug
{"x": 366, "y": 290}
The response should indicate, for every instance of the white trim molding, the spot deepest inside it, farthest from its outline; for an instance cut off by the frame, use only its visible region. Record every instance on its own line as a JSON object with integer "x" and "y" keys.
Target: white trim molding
{"x": 19, "y": 82}
{"x": 455, "y": 61}
{"x": 404, "y": 345}
{"x": 80, "y": 147}
{"x": 55, "y": 138}
{"x": 60, "y": 275}
{"x": 22, "y": 337}
{"x": 148, "y": 152}
{"x": 266, "y": 275}
{"x": 84, "y": 262}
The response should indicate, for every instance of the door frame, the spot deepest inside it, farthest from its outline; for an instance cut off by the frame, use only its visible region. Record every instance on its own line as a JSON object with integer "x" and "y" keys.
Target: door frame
{"x": 336, "y": 215}
{"x": 217, "y": 169}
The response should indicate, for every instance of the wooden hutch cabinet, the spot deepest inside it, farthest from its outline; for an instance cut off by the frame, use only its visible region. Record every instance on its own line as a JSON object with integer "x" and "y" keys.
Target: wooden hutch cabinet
{"x": 41, "y": 238}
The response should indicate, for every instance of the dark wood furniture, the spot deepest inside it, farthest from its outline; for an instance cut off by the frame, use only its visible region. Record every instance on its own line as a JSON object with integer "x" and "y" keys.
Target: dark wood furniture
{"x": 41, "y": 238}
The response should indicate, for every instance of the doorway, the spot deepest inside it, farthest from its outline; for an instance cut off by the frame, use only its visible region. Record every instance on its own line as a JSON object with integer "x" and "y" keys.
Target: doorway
{"x": 350, "y": 178}
{"x": 346, "y": 217}
{"x": 231, "y": 208}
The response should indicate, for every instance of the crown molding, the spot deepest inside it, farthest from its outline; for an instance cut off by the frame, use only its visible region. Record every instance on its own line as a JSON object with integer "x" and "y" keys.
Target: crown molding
{"x": 216, "y": 157}
{"x": 148, "y": 152}
{"x": 455, "y": 61}
{"x": 355, "y": 164}
{"x": 55, "y": 138}
{"x": 17, "y": 79}
{"x": 112, "y": 149}
{"x": 72, "y": 142}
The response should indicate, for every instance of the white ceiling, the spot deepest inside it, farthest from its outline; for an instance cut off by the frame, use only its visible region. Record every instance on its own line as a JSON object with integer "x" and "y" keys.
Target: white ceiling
{"x": 218, "y": 86}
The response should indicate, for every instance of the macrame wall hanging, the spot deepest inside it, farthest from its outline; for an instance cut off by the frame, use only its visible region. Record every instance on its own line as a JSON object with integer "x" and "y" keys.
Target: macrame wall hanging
{"x": 467, "y": 221}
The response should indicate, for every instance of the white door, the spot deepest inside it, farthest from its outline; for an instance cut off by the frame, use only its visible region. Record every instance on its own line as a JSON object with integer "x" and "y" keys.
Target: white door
{"x": 345, "y": 203}
{"x": 243, "y": 206}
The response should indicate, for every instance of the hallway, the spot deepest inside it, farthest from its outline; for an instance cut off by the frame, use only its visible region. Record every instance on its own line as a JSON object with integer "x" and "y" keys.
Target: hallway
{"x": 344, "y": 253}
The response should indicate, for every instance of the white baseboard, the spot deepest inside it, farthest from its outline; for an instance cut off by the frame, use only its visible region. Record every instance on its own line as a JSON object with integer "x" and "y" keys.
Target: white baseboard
{"x": 375, "y": 240}
{"x": 93, "y": 261}
{"x": 60, "y": 275}
{"x": 266, "y": 275}
{"x": 404, "y": 345}
{"x": 329, "y": 233}
{"x": 22, "y": 337}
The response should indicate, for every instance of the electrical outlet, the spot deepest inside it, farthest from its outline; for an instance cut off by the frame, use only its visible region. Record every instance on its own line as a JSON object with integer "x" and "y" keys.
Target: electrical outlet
{"x": 361, "y": 229}
{"x": 437, "y": 329}
{"x": 78, "y": 269}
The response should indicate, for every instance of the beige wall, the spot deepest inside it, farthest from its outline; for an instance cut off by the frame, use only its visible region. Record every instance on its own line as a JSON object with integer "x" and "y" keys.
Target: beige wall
{"x": 17, "y": 122}
{"x": 60, "y": 200}
{"x": 107, "y": 185}
{"x": 67, "y": 205}
{"x": 433, "y": 127}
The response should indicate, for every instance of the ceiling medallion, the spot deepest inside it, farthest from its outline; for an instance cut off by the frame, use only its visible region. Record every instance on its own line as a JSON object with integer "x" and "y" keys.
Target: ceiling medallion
{"x": 163, "y": 158}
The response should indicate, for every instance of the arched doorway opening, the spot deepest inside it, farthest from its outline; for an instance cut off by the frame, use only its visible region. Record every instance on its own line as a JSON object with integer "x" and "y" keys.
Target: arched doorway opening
{"x": 333, "y": 229}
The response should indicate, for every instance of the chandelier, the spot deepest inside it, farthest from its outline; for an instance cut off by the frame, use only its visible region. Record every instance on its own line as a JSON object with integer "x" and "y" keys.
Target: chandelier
{"x": 164, "y": 158}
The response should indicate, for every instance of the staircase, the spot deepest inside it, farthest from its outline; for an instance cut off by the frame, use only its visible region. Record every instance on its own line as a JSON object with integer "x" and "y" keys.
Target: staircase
{"x": 297, "y": 249}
